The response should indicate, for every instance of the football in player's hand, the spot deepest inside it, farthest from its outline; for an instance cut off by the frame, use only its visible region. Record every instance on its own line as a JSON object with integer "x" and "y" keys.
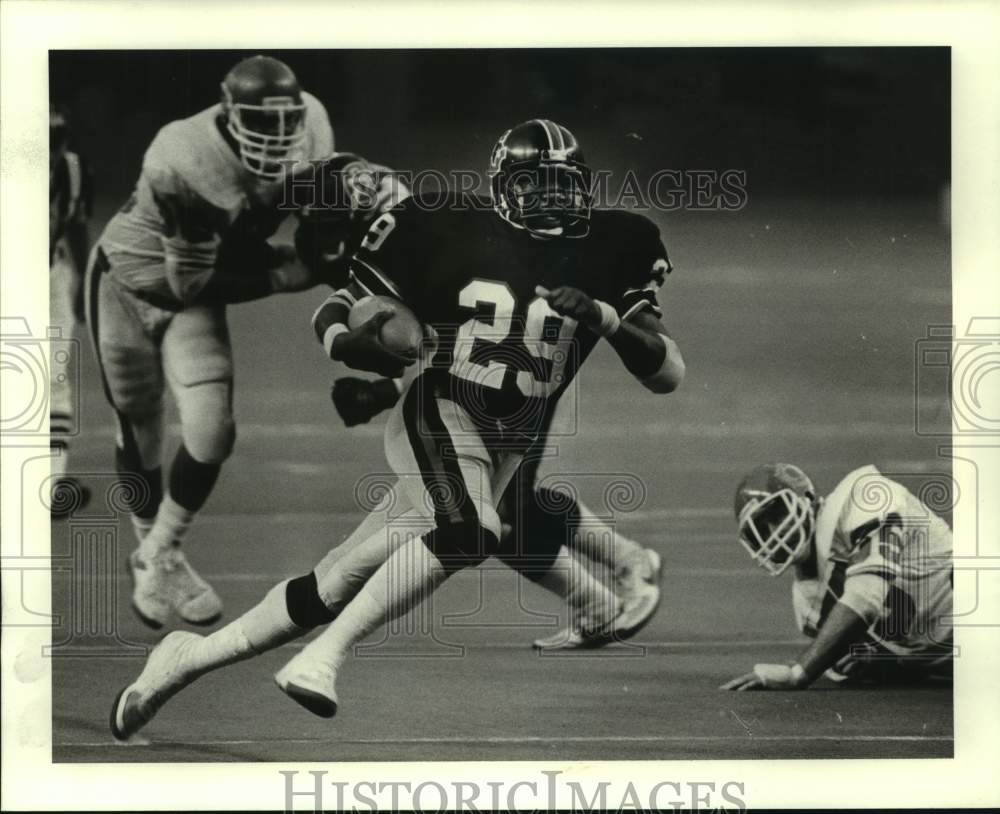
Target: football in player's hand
{"x": 402, "y": 333}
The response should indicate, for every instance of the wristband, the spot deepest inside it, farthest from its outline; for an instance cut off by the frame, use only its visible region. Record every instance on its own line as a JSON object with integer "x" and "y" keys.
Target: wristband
{"x": 798, "y": 674}
{"x": 610, "y": 321}
{"x": 332, "y": 333}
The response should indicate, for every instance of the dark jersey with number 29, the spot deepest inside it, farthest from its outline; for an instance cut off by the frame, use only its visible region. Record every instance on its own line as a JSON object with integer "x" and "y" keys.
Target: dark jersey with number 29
{"x": 502, "y": 353}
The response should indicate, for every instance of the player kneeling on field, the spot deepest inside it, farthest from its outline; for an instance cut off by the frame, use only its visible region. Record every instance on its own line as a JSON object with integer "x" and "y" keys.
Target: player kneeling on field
{"x": 873, "y": 576}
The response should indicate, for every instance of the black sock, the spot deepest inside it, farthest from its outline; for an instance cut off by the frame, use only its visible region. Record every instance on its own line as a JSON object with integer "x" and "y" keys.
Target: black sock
{"x": 191, "y": 481}
{"x": 141, "y": 502}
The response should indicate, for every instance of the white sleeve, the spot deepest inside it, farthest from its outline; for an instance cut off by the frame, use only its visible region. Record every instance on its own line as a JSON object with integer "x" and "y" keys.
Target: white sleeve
{"x": 320, "y": 129}
{"x": 865, "y": 595}
{"x": 189, "y": 232}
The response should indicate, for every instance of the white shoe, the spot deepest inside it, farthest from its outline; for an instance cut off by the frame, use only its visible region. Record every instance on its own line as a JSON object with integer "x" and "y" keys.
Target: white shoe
{"x": 637, "y": 585}
{"x": 569, "y": 638}
{"x": 149, "y": 599}
{"x": 637, "y": 610}
{"x": 633, "y": 615}
{"x": 162, "y": 677}
{"x": 643, "y": 568}
{"x": 584, "y": 632}
{"x": 166, "y": 582}
{"x": 311, "y": 683}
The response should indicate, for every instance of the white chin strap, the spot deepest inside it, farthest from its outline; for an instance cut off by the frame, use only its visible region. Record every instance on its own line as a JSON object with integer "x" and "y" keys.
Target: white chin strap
{"x": 789, "y": 537}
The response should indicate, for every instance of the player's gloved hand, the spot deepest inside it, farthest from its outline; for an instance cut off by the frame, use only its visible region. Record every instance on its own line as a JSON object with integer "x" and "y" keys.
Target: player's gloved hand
{"x": 361, "y": 348}
{"x": 572, "y": 302}
{"x": 287, "y": 274}
{"x": 769, "y": 677}
{"x": 359, "y": 400}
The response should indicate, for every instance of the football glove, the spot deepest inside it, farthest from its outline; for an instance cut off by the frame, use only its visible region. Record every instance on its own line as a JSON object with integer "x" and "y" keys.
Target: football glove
{"x": 357, "y": 401}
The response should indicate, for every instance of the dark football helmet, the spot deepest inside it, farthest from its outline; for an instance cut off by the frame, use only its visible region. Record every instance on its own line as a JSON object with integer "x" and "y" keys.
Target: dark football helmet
{"x": 264, "y": 113}
{"x": 539, "y": 180}
{"x": 775, "y": 509}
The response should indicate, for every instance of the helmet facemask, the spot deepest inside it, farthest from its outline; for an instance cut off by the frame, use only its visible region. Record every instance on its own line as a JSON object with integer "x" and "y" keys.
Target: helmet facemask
{"x": 776, "y": 528}
{"x": 551, "y": 199}
{"x": 266, "y": 134}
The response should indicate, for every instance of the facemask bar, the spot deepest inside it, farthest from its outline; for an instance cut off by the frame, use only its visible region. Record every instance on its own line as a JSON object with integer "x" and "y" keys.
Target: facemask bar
{"x": 261, "y": 152}
{"x": 789, "y": 537}
{"x": 532, "y": 210}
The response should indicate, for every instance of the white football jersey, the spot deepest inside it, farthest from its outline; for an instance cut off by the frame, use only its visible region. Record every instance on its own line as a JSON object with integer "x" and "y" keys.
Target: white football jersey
{"x": 913, "y": 589}
{"x": 190, "y": 169}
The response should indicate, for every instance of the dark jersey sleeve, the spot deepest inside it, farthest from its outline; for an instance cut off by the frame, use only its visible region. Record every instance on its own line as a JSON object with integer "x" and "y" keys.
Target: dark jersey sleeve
{"x": 334, "y": 214}
{"x": 645, "y": 265}
{"x": 393, "y": 255}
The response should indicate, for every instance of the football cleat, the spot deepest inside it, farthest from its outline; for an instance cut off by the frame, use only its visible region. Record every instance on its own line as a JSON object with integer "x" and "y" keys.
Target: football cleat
{"x": 162, "y": 677}
{"x": 633, "y": 615}
{"x": 637, "y": 610}
{"x": 642, "y": 568}
{"x": 311, "y": 683}
{"x": 165, "y": 582}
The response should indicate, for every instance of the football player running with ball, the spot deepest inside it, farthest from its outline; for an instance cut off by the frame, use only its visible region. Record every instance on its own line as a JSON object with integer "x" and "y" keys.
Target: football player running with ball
{"x": 872, "y": 576}
{"x": 512, "y": 296}
{"x": 514, "y": 305}
{"x": 192, "y": 238}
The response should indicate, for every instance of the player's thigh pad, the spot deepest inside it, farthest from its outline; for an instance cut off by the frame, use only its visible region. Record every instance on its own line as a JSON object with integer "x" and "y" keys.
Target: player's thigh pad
{"x": 447, "y": 473}
{"x": 127, "y": 351}
{"x": 198, "y": 361}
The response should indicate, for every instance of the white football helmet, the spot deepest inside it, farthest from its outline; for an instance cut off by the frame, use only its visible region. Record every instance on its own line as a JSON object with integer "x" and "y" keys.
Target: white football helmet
{"x": 775, "y": 509}
{"x": 265, "y": 115}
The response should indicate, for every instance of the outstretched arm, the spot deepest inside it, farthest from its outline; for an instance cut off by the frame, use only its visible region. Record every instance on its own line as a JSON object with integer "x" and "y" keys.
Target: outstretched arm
{"x": 845, "y": 625}
{"x": 641, "y": 341}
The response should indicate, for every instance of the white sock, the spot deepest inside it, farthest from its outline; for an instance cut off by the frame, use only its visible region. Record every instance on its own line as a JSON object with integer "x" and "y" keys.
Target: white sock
{"x": 401, "y": 583}
{"x": 60, "y": 455}
{"x": 141, "y": 526}
{"x": 602, "y": 543}
{"x": 172, "y": 522}
{"x": 262, "y": 628}
{"x": 587, "y": 596}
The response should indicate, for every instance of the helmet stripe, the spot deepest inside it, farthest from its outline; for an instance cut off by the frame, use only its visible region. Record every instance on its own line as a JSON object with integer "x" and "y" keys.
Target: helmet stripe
{"x": 548, "y": 133}
{"x": 558, "y": 131}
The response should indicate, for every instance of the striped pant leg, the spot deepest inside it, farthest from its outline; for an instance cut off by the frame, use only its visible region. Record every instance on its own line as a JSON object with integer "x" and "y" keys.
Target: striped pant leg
{"x": 130, "y": 365}
{"x": 449, "y": 475}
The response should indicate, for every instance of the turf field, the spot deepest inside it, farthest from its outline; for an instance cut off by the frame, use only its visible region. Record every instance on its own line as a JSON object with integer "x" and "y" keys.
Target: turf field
{"x": 798, "y": 320}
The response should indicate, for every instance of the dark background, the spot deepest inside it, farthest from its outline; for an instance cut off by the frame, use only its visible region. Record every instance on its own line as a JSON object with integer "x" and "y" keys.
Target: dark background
{"x": 850, "y": 121}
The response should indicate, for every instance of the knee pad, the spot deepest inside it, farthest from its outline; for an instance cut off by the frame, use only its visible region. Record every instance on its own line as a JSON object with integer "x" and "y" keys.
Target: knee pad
{"x": 464, "y": 544}
{"x": 305, "y": 607}
{"x": 542, "y": 521}
{"x": 207, "y": 424}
